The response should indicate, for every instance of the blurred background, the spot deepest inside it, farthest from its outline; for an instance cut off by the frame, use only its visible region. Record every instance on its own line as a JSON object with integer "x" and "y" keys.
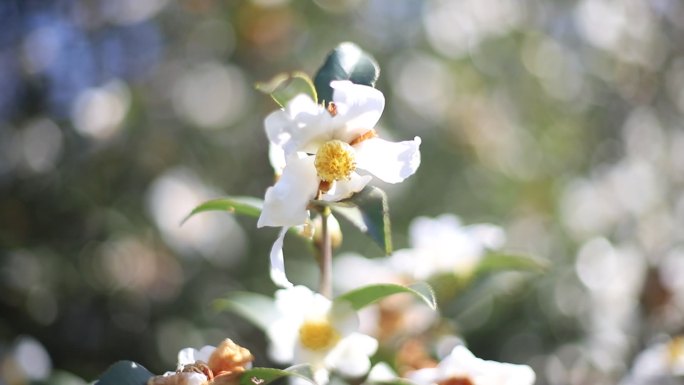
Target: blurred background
{"x": 559, "y": 121}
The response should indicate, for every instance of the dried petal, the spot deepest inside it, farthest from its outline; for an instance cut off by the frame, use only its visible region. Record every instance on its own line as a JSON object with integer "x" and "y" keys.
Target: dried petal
{"x": 229, "y": 358}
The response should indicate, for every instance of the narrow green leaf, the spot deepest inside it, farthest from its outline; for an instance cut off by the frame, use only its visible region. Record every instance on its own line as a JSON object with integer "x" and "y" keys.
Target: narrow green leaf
{"x": 368, "y": 211}
{"x": 284, "y": 87}
{"x": 264, "y": 376}
{"x": 346, "y": 62}
{"x": 256, "y": 308}
{"x": 239, "y": 205}
{"x": 364, "y": 296}
{"x": 495, "y": 261}
{"x": 125, "y": 373}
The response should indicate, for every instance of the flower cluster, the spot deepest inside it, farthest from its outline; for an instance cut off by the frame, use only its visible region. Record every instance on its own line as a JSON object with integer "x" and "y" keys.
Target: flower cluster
{"x": 329, "y": 152}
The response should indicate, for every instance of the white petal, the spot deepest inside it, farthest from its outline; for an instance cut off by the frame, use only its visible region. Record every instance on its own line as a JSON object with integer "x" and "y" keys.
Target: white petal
{"x": 282, "y": 335}
{"x": 425, "y": 231}
{"x": 390, "y": 161}
{"x": 351, "y": 355}
{"x": 359, "y": 108}
{"x": 381, "y": 372}
{"x": 345, "y": 188}
{"x": 285, "y": 203}
{"x": 300, "y": 124}
{"x": 294, "y": 301}
{"x": 276, "y": 155}
{"x": 489, "y": 236}
{"x": 427, "y": 376}
{"x": 278, "y": 261}
{"x": 344, "y": 318}
{"x": 204, "y": 353}
{"x": 321, "y": 376}
{"x": 187, "y": 356}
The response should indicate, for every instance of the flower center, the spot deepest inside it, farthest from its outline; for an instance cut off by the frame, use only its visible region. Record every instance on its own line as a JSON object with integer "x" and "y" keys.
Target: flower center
{"x": 317, "y": 334}
{"x": 335, "y": 161}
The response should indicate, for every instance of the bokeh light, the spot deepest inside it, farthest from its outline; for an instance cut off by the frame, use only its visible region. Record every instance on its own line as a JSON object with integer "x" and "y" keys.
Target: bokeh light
{"x": 560, "y": 122}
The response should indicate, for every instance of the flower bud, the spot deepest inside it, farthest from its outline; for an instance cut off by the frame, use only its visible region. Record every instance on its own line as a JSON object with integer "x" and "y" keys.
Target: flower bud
{"x": 333, "y": 229}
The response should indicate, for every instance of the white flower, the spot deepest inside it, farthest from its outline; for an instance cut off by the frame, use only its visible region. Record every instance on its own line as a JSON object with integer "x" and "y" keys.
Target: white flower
{"x": 311, "y": 330}
{"x": 658, "y": 363}
{"x": 323, "y": 149}
{"x": 444, "y": 245}
{"x": 462, "y": 367}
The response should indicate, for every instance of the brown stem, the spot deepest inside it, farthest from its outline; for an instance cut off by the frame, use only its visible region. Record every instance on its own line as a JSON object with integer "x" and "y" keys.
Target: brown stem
{"x": 325, "y": 256}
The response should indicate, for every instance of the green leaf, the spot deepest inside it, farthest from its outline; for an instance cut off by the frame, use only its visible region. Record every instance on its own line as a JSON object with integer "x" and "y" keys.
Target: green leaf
{"x": 346, "y": 62}
{"x": 239, "y": 205}
{"x": 256, "y": 308}
{"x": 495, "y": 261}
{"x": 368, "y": 211}
{"x": 284, "y": 87}
{"x": 264, "y": 376}
{"x": 125, "y": 373}
{"x": 364, "y": 296}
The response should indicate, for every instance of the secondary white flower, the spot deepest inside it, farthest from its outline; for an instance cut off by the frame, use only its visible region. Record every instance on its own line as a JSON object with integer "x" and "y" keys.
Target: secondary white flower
{"x": 660, "y": 363}
{"x": 323, "y": 149}
{"x": 444, "y": 245}
{"x": 311, "y": 330}
{"x": 463, "y": 368}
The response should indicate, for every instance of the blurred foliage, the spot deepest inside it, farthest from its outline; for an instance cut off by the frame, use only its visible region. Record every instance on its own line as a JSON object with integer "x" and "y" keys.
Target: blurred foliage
{"x": 560, "y": 121}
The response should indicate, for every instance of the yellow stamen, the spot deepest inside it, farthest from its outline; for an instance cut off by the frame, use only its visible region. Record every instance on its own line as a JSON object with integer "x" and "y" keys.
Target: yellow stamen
{"x": 335, "y": 161}
{"x": 318, "y": 335}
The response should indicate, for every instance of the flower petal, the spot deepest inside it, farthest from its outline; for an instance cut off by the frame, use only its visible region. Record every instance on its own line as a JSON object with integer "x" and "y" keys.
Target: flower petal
{"x": 299, "y": 126}
{"x": 489, "y": 236}
{"x": 350, "y": 356}
{"x": 344, "y": 318}
{"x": 390, "y": 161}
{"x": 359, "y": 108}
{"x": 381, "y": 372}
{"x": 278, "y": 261}
{"x": 345, "y": 188}
{"x": 276, "y": 155}
{"x": 187, "y": 356}
{"x": 285, "y": 203}
{"x": 282, "y": 334}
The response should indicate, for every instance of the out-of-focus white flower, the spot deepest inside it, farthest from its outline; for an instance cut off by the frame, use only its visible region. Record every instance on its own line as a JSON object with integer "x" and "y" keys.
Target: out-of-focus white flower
{"x": 312, "y": 330}
{"x": 392, "y": 316}
{"x": 221, "y": 365}
{"x": 658, "y": 364}
{"x": 463, "y": 368}
{"x": 444, "y": 245}
{"x": 323, "y": 148}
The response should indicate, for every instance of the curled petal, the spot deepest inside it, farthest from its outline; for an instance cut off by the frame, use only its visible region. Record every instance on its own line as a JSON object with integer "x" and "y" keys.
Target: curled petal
{"x": 359, "y": 108}
{"x": 285, "y": 203}
{"x": 390, "y": 161}
{"x": 345, "y": 188}
{"x": 278, "y": 261}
